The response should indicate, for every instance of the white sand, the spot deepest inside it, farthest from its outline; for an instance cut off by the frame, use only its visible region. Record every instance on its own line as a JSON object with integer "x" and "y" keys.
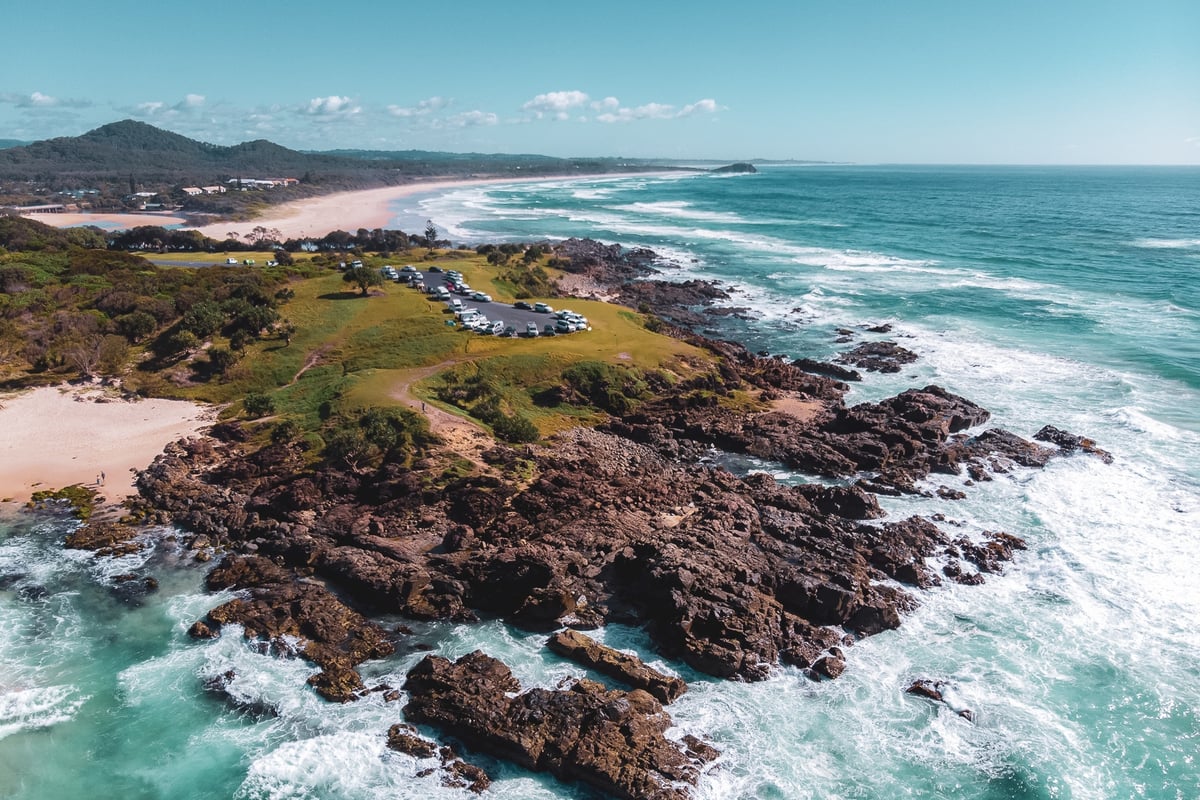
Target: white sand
{"x": 59, "y": 436}
{"x": 348, "y": 211}
{"x": 314, "y": 216}
{"x": 109, "y": 222}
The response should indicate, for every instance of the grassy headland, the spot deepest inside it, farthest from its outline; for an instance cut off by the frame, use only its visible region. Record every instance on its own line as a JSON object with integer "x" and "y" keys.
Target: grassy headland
{"x": 308, "y": 354}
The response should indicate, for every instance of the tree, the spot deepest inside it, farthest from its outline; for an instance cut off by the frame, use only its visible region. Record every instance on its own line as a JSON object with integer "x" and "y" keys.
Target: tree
{"x": 220, "y": 359}
{"x": 85, "y": 356}
{"x": 431, "y": 234}
{"x": 257, "y": 404}
{"x": 363, "y": 277}
{"x": 136, "y": 325}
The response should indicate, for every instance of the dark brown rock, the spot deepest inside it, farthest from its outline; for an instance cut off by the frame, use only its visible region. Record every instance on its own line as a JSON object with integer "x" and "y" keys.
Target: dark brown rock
{"x": 610, "y": 740}
{"x": 878, "y": 356}
{"x": 926, "y": 688}
{"x": 404, "y": 739}
{"x": 1069, "y": 442}
{"x": 199, "y": 630}
{"x": 615, "y": 664}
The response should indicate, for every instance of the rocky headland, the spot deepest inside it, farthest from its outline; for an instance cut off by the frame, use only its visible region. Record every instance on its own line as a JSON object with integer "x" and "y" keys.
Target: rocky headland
{"x": 627, "y": 522}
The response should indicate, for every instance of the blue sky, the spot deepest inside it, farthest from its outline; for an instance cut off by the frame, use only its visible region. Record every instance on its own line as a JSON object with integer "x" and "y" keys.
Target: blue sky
{"x": 914, "y": 81}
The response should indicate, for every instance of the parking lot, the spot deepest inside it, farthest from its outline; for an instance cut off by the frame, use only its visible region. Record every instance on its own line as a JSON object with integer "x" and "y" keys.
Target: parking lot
{"x": 495, "y": 312}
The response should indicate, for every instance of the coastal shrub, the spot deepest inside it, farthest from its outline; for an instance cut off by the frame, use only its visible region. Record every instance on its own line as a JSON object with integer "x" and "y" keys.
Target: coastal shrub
{"x": 377, "y": 435}
{"x": 515, "y": 428}
{"x": 286, "y": 430}
{"x": 203, "y": 319}
{"x": 258, "y": 404}
{"x": 612, "y": 388}
{"x": 136, "y": 325}
{"x": 220, "y": 359}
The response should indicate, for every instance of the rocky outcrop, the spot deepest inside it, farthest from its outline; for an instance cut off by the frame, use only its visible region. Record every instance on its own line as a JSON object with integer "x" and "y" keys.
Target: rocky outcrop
{"x": 610, "y": 740}
{"x": 628, "y": 669}
{"x": 456, "y": 773}
{"x": 732, "y": 576}
{"x": 283, "y": 610}
{"x": 1070, "y": 443}
{"x": 735, "y": 169}
{"x": 878, "y": 357}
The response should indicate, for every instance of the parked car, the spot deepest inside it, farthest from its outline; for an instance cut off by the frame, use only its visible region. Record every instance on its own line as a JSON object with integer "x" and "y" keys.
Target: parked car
{"x": 563, "y": 326}
{"x": 498, "y": 327}
{"x": 549, "y": 329}
{"x": 408, "y": 268}
{"x": 510, "y": 330}
{"x": 521, "y": 304}
{"x": 531, "y": 329}
{"x": 232, "y": 262}
{"x": 481, "y": 297}
{"x": 542, "y": 308}
{"x": 435, "y": 268}
{"x": 455, "y": 305}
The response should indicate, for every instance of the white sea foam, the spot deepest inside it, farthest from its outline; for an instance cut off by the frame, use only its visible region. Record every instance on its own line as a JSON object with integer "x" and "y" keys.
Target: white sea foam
{"x": 1167, "y": 244}
{"x": 39, "y": 707}
{"x": 680, "y": 209}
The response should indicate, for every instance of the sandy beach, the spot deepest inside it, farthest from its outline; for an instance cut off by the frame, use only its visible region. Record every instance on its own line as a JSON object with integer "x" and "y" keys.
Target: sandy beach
{"x": 58, "y": 436}
{"x": 314, "y": 216}
{"x": 109, "y": 222}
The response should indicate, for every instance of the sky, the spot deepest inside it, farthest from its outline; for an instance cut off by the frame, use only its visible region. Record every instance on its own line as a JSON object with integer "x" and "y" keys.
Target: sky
{"x": 867, "y": 81}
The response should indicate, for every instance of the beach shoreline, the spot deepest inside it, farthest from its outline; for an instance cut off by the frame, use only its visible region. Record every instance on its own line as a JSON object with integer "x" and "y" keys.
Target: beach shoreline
{"x": 58, "y": 436}
{"x": 314, "y": 216}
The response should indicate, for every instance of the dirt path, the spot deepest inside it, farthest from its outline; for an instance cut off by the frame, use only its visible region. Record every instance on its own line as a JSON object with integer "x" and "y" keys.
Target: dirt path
{"x": 462, "y": 436}
{"x": 312, "y": 360}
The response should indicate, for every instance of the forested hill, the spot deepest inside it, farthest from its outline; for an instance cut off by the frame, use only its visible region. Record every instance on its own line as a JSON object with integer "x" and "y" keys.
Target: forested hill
{"x": 154, "y": 156}
{"x": 126, "y": 147}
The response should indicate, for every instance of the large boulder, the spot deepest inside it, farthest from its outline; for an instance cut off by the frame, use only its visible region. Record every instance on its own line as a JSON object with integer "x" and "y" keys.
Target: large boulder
{"x": 610, "y": 740}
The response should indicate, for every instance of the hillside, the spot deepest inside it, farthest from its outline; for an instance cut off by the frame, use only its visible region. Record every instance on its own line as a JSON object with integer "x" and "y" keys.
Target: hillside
{"x": 152, "y": 155}
{"x": 122, "y": 158}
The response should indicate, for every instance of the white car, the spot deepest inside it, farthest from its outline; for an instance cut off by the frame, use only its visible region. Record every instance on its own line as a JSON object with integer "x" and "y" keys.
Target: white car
{"x": 542, "y": 308}
{"x": 481, "y": 297}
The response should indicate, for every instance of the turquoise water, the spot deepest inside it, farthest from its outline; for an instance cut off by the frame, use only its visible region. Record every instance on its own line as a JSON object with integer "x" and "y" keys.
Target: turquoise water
{"x": 1050, "y": 295}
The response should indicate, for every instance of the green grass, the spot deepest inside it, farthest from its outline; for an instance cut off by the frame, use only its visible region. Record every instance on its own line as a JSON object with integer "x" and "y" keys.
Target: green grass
{"x": 362, "y": 348}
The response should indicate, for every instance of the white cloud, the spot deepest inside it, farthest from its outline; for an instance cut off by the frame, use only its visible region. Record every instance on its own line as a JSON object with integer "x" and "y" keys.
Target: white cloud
{"x": 332, "y": 106}
{"x": 705, "y": 106}
{"x": 659, "y": 111}
{"x": 427, "y": 106}
{"x": 150, "y": 108}
{"x": 193, "y": 100}
{"x": 40, "y": 100}
{"x": 557, "y": 104}
{"x": 470, "y": 119}
{"x": 1193, "y": 140}
{"x": 609, "y": 103}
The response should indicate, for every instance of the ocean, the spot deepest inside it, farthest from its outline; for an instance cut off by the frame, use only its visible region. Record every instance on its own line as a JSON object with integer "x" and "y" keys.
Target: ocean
{"x": 1049, "y": 295}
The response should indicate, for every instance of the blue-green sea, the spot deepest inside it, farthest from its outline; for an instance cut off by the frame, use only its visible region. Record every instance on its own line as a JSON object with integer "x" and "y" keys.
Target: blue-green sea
{"x": 1050, "y": 295}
